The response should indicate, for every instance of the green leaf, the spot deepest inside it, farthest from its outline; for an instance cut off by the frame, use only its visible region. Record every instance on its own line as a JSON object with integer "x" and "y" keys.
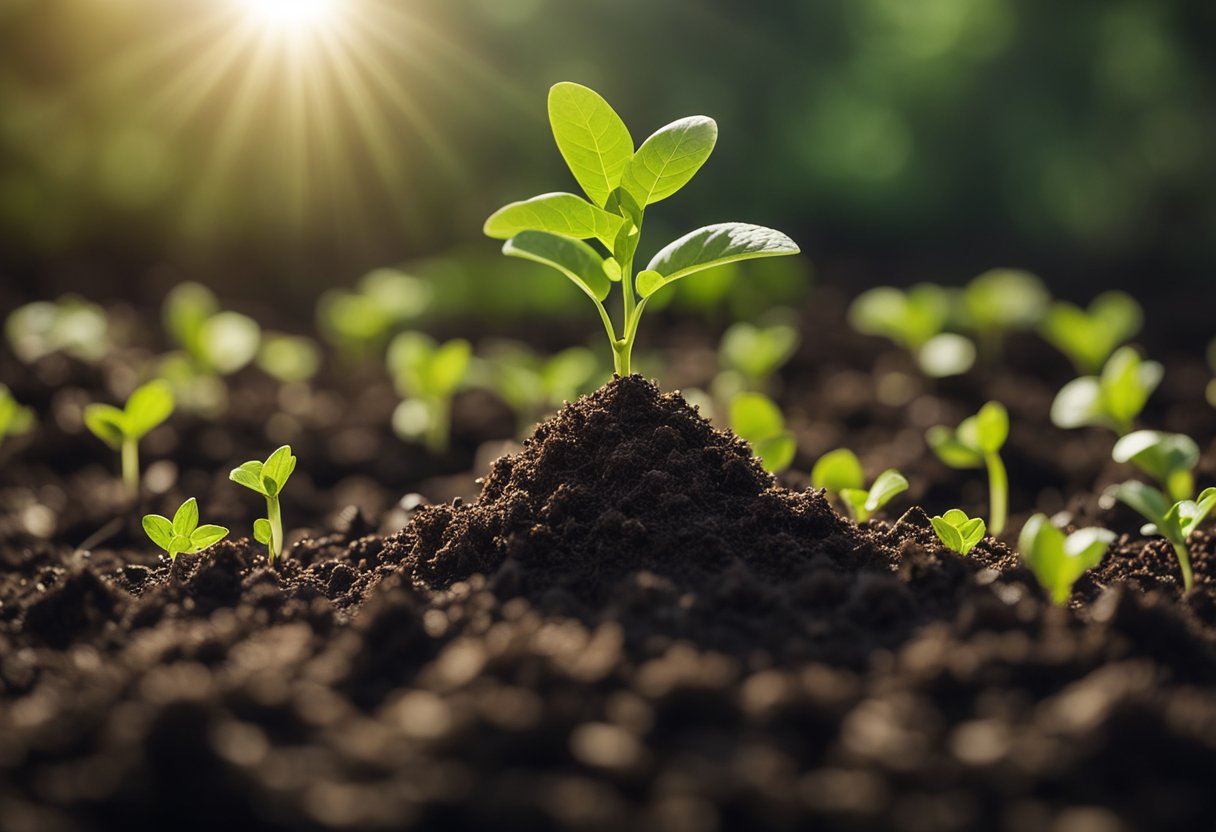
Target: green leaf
{"x": 669, "y": 159}
{"x": 837, "y": 470}
{"x": 186, "y": 308}
{"x": 1005, "y": 299}
{"x": 448, "y": 367}
{"x": 972, "y": 532}
{"x": 1144, "y": 499}
{"x": 886, "y": 485}
{"x": 185, "y": 521}
{"x": 206, "y": 535}
{"x": 229, "y": 341}
{"x": 289, "y": 358}
{"x": 711, "y": 246}
{"x": 1078, "y": 403}
{"x": 573, "y": 258}
{"x": 1127, "y": 382}
{"x": 991, "y": 428}
{"x": 249, "y": 474}
{"x": 1058, "y": 561}
{"x": 910, "y": 319}
{"x": 854, "y": 500}
{"x": 147, "y": 407}
{"x": 945, "y": 355}
{"x": 1166, "y": 457}
{"x": 109, "y": 424}
{"x": 776, "y": 452}
{"x": 563, "y": 214}
{"x": 755, "y": 417}
{"x": 950, "y": 450}
{"x": 261, "y": 530}
{"x": 1088, "y": 337}
{"x": 177, "y": 545}
{"x": 159, "y": 530}
{"x": 947, "y": 534}
{"x": 591, "y": 137}
{"x": 278, "y": 467}
{"x": 757, "y": 352}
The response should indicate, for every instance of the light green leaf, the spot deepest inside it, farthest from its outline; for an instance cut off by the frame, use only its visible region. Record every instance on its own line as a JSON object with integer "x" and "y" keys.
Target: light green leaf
{"x": 946, "y": 355}
{"x": 755, "y": 417}
{"x": 886, "y": 485}
{"x": 950, "y": 450}
{"x": 566, "y": 215}
{"x": 837, "y": 470}
{"x": 1005, "y": 299}
{"x": 229, "y": 341}
{"x": 711, "y": 246}
{"x": 1166, "y": 457}
{"x": 159, "y": 530}
{"x": 972, "y": 532}
{"x": 186, "y": 308}
{"x": 278, "y": 467}
{"x": 148, "y": 406}
{"x": 854, "y": 500}
{"x": 669, "y": 159}
{"x": 1127, "y": 382}
{"x": 185, "y": 521}
{"x": 289, "y": 358}
{"x": 776, "y": 452}
{"x": 991, "y": 428}
{"x": 910, "y": 319}
{"x": 249, "y": 474}
{"x": 757, "y": 352}
{"x": 947, "y": 534}
{"x": 1078, "y": 403}
{"x": 177, "y": 545}
{"x": 1144, "y": 499}
{"x": 573, "y": 258}
{"x": 591, "y": 137}
{"x": 206, "y": 535}
{"x": 448, "y": 367}
{"x": 261, "y": 530}
{"x": 109, "y": 424}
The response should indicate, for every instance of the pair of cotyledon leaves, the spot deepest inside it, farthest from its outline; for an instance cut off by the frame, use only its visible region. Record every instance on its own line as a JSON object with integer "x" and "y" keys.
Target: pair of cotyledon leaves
{"x": 182, "y": 534}
{"x": 146, "y": 408}
{"x": 266, "y": 478}
{"x": 620, "y": 182}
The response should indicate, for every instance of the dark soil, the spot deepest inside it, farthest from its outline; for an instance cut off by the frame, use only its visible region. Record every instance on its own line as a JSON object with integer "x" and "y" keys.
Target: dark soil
{"x": 632, "y": 628}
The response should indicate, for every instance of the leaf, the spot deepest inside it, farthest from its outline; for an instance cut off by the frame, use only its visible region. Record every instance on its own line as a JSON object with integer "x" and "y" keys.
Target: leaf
{"x": 278, "y": 466}
{"x": 755, "y": 417}
{"x": 854, "y": 500}
{"x": 972, "y": 532}
{"x": 185, "y": 521}
{"x": 147, "y": 407}
{"x": 837, "y": 470}
{"x": 1086, "y": 547}
{"x": 261, "y": 530}
{"x": 947, "y": 534}
{"x": 107, "y": 423}
{"x": 158, "y": 529}
{"x": 1005, "y": 299}
{"x": 886, "y": 485}
{"x": 1144, "y": 499}
{"x": 757, "y": 352}
{"x": 249, "y": 474}
{"x": 230, "y": 340}
{"x": 207, "y": 535}
{"x": 448, "y": 367}
{"x": 591, "y": 137}
{"x": 1078, "y": 403}
{"x": 777, "y": 452}
{"x": 573, "y": 258}
{"x": 558, "y": 213}
{"x": 992, "y": 427}
{"x": 1127, "y": 382}
{"x": 1166, "y": 457}
{"x": 177, "y": 545}
{"x": 669, "y": 159}
{"x": 950, "y": 450}
{"x": 910, "y": 319}
{"x": 711, "y": 246}
{"x": 946, "y": 355}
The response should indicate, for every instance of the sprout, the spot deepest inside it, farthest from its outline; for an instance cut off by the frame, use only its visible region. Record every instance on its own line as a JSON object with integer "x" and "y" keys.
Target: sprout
{"x": 217, "y": 342}
{"x": 122, "y": 429}
{"x": 289, "y": 358}
{"x": 1114, "y": 399}
{"x": 1002, "y": 300}
{"x": 15, "y": 419}
{"x": 533, "y": 385}
{"x": 1166, "y": 457}
{"x": 182, "y": 534}
{"x": 360, "y": 323}
{"x": 429, "y": 374}
{"x": 757, "y": 419}
{"x": 1056, "y": 560}
{"x": 69, "y": 325}
{"x": 1173, "y": 521}
{"x": 756, "y": 352}
{"x": 1089, "y": 336}
{"x": 839, "y": 472}
{"x": 862, "y": 503}
{"x": 958, "y": 532}
{"x": 976, "y": 443}
{"x": 268, "y": 479}
{"x": 915, "y": 319}
{"x": 620, "y": 183}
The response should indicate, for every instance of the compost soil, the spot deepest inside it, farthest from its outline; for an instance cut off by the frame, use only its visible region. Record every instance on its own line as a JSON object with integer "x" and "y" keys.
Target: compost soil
{"x": 632, "y": 627}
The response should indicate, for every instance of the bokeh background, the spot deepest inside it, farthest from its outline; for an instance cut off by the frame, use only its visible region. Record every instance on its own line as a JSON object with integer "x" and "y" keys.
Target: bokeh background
{"x": 143, "y": 142}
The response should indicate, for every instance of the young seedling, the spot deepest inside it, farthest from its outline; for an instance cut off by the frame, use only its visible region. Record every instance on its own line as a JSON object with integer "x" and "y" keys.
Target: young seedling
{"x": 69, "y": 325}
{"x": 122, "y": 429}
{"x": 15, "y": 419}
{"x": 218, "y": 342}
{"x": 1113, "y": 399}
{"x": 620, "y": 182}
{"x": 757, "y": 419}
{"x": 182, "y": 534}
{"x": 1168, "y": 458}
{"x": 1173, "y": 521}
{"x": 976, "y": 443}
{"x": 755, "y": 353}
{"x": 1089, "y": 336}
{"x": 1000, "y": 301}
{"x": 839, "y": 472}
{"x": 958, "y": 532}
{"x": 1058, "y": 560}
{"x": 429, "y": 375}
{"x": 268, "y": 478}
{"x": 533, "y": 385}
{"x": 289, "y": 358}
{"x": 360, "y": 322}
{"x": 915, "y": 320}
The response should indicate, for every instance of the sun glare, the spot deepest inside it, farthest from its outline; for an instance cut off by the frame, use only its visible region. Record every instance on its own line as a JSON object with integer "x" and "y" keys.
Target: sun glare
{"x": 290, "y": 14}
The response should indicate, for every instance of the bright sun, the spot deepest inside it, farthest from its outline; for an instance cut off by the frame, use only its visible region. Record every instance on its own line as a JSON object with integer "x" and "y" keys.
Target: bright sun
{"x": 290, "y": 14}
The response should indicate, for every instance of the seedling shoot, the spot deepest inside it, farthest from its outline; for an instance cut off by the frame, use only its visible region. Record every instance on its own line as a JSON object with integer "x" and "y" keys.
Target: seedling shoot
{"x": 976, "y": 443}
{"x": 268, "y": 479}
{"x": 182, "y": 534}
{"x": 146, "y": 408}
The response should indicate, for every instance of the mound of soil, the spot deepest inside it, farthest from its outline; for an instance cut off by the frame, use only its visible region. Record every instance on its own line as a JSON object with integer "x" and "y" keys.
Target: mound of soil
{"x": 633, "y": 627}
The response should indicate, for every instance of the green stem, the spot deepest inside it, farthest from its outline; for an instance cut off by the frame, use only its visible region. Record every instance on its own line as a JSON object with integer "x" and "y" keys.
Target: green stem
{"x": 275, "y": 546}
{"x": 439, "y": 428}
{"x": 998, "y": 493}
{"x": 1184, "y": 561}
{"x": 130, "y": 466}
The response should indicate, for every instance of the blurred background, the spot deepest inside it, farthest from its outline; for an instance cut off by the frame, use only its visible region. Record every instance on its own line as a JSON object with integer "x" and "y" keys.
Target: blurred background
{"x": 276, "y": 150}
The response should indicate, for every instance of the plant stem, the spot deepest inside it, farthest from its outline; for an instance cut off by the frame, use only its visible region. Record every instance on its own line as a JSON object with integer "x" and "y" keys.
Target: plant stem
{"x": 130, "y": 466}
{"x": 275, "y": 546}
{"x": 438, "y": 430}
{"x": 998, "y": 493}
{"x": 1184, "y": 561}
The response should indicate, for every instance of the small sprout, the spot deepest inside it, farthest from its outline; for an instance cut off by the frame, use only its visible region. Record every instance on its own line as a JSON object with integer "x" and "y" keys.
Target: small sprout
{"x": 15, "y": 419}
{"x": 219, "y": 343}
{"x": 122, "y": 429}
{"x": 1173, "y": 521}
{"x": 69, "y": 325}
{"x": 182, "y": 534}
{"x": 289, "y": 358}
{"x": 757, "y": 419}
{"x": 533, "y": 385}
{"x": 915, "y": 320}
{"x": 976, "y": 443}
{"x": 837, "y": 470}
{"x": 360, "y": 322}
{"x": 1058, "y": 560}
{"x": 620, "y": 183}
{"x": 958, "y": 532}
{"x": 1089, "y": 336}
{"x": 429, "y": 374}
{"x": 1000, "y": 301}
{"x": 1113, "y": 399}
{"x": 268, "y": 479}
{"x": 1168, "y": 458}
{"x": 757, "y": 352}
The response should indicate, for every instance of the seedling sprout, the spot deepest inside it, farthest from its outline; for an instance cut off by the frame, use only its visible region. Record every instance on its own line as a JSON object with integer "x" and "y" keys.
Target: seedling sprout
{"x": 218, "y": 342}
{"x": 620, "y": 182}
{"x": 976, "y": 443}
{"x": 182, "y": 534}
{"x": 1173, "y": 521}
{"x": 756, "y": 418}
{"x": 915, "y": 319}
{"x": 532, "y": 384}
{"x": 1000, "y": 301}
{"x": 755, "y": 353}
{"x": 122, "y": 429}
{"x": 289, "y": 358}
{"x": 1089, "y": 336}
{"x": 839, "y": 472}
{"x": 958, "y": 532}
{"x": 1168, "y": 458}
{"x": 1113, "y": 399}
{"x": 428, "y": 374}
{"x": 69, "y": 325}
{"x": 268, "y": 479}
{"x": 1058, "y": 560}
{"x": 15, "y": 419}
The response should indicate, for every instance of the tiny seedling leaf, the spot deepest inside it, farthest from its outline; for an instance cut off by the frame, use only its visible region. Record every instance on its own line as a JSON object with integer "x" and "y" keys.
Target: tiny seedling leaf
{"x": 1166, "y": 457}
{"x": 278, "y": 467}
{"x": 909, "y": 318}
{"x": 591, "y": 137}
{"x": 669, "y": 159}
{"x": 957, "y": 531}
{"x": 207, "y": 535}
{"x": 185, "y": 521}
{"x": 159, "y": 530}
{"x": 147, "y": 407}
{"x": 950, "y": 450}
{"x": 249, "y": 474}
{"x": 1058, "y": 561}
{"x": 261, "y": 530}
{"x": 107, "y": 423}
{"x": 713, "y": 245}
{"x": 886, "y": 485}
{"x": 1089, "y": 336}
{"x": 837, "y": 470}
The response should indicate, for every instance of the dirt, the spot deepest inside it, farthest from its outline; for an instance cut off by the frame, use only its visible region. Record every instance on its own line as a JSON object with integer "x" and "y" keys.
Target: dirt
{"x": 633, "y": 627}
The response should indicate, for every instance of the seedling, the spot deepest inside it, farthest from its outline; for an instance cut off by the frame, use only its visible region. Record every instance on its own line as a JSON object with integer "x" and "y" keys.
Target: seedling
{"x": 218, "y": 342}
{"x": 429, "y": 375}
{"x": 1173, "y": 521}
{"x": 533, "y": 385}
{"x": 1000, "y": 301}
{"x": 1166, "y": 457}
{"x": 289, "y": 358}
{"x": 268, "y": 478}
{"x": 757, "y": 352}
{"x": 976, "y": 443}
{"x": 182, "y": 534}
{"x": 915, "y": 320}
{"x": 69, "y": 325}
{"x": 1113, "y": 399}
{"x": 839, "y": 472}
{"x": 15, "y": 419}
{"x": 620, "y": 183}
{"x": 1089, "y": 336}
{"x": 958, "y": 532}
{"x": 360, "y": 322}
{"x": 757, "y": 419}
{"x": 146, "y": 408}
{"x": 1058, "y": 560}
